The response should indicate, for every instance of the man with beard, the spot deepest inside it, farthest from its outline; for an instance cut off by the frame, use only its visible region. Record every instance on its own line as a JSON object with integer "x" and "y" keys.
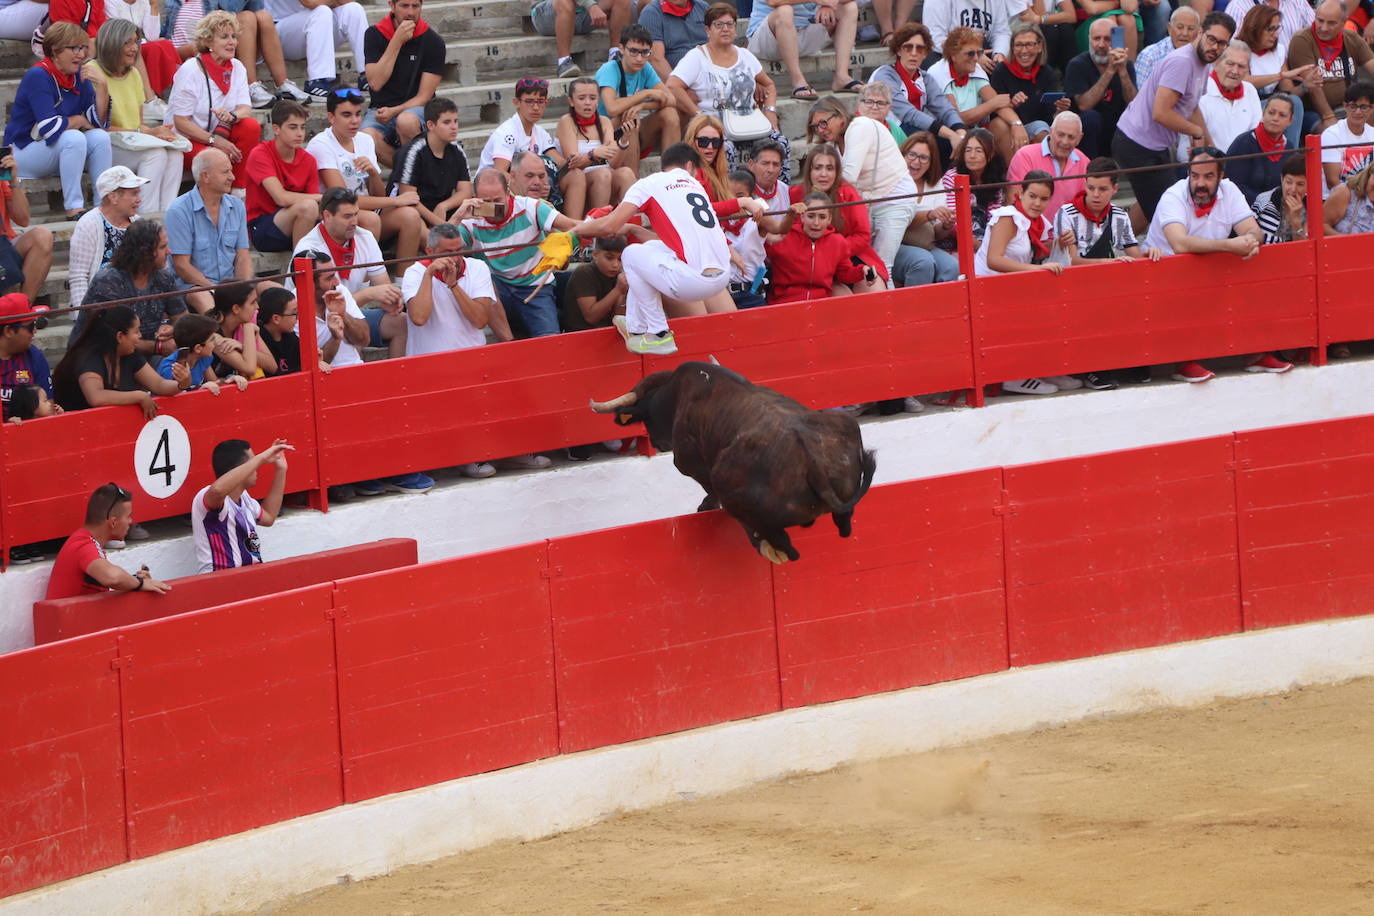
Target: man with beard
{"x": 1101, "y": 82}
{"x": 1165, "y": 108}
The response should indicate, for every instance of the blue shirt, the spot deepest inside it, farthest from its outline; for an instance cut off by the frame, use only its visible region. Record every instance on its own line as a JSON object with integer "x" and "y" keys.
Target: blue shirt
{"x": 198, "y": 368}
{"x": 610, "y": 76}
{"x": 27, "y": 368}
{"x": 212, "y": 247}
{"x": 803, "y": 14}
{"x": 679, "y": 34}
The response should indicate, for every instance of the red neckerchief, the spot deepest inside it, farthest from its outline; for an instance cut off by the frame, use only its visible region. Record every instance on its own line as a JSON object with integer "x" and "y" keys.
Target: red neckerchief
{"x": 766, "y": 195}
{"x": 1271, "y": 145}
{"x": 510, "y": 214}
{"x": 1230, "y": 95}
{"x": 65, "y": 81}
{"x": 590, "y": 122}
{"x": 1329, "y": 50}
{"x": 681, "y": 9}
{"x": 387, "y": 26}
{"x": 1080, "y": 203}
{"x": 1014, "y": 66}
{"x": 1039, "y": 250}
{"x": 460, "y": 261}
{"x": 913, "y": 91}
{"x": 960, "y": 80}
{"x": 1264, "y": 52}
{"x": 734, "y": 226}
{"x": 1200, "y": 212}
{"x": 342, "y": 255}
{"x": 219, "y": 73}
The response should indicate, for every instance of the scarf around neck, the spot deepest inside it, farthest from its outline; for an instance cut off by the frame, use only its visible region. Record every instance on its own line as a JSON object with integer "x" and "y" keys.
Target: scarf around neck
{"x": 1271, "y": 145}
{"x": 1036, "y": 233}
{"x": 342, "y": 254}
{"x": 1230, "y": 95}
{"x": 1029, "y": 76}
{"x": 65, "y": 81}
{"x": 1080, "y": 203}
{"x": 219, "y": 74}
{"x": 913, "y": 91}
{"x": 1329, "y": 50}
{"x": 387, "y": 26}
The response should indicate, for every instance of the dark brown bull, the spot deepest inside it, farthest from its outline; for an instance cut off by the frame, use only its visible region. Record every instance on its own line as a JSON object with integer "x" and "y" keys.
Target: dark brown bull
{"x": 759, "y": 455}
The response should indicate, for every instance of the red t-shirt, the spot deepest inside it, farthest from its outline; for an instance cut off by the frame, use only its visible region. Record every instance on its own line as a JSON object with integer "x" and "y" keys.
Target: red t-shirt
{"x": 300, "y": 175}
{"x": 69, "y": 579}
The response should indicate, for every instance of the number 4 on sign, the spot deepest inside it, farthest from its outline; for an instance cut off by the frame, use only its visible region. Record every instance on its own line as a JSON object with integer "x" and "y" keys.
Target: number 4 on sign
{"x": 162, "y": 457}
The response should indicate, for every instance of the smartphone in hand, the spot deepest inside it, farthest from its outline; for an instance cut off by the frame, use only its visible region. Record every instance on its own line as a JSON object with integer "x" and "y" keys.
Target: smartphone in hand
{"x": 6, "y": 174}
{"x": 1118, "y": 37}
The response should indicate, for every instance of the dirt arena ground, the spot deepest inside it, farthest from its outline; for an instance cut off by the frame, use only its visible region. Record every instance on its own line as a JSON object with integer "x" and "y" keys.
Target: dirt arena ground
{"x": 1257, "y": 806}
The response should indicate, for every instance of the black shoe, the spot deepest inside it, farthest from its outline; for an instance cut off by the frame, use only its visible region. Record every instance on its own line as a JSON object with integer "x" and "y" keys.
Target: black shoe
{"x": 1137, "y": 375}
{"x": 1099, "y": 381}
{"x": 580, "y": 453}
{"x": 25, "y": 554}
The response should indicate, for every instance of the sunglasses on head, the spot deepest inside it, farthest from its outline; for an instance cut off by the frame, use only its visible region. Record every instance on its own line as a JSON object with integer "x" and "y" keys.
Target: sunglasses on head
{"x": 120, "y": 495}
{"x": 710, "y": 142}
{"x": 353, "y": 95}
{"x": 526, "y": 83}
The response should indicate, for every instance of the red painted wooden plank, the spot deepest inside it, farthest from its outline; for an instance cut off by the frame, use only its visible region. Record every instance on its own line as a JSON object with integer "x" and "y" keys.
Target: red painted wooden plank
{"x": 1344, "y": 289}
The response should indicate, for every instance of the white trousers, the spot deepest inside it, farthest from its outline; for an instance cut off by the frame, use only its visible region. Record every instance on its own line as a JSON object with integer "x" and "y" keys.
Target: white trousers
{"x": 889, "y": 221}
{"x": 315, "y": 34}
{"x": 162, "y": 168}
{"x": 653, "y": 271}
{"x": 18, "y": 20}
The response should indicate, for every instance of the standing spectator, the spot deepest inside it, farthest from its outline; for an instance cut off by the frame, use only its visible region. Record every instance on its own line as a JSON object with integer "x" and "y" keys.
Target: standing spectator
{"x": 224, "y": 517}
{"x": 747, "y": 258}
{"x": 1165, "y": 108}
{"x": 1026, "y": 77}
{"x": 565, "y": 18}
{"x": 1339, "y": 159}
{"x": 21, "y": 363}
{"x": 81, "y": 567}
{"x": 976, "y": 157}
{"x": 787, "y": 32}
{"x": 1184, "y": 25}
{"x": 1229, "y": 106}
{"x": 405, "y": 62}
{"x": 1102, "y": 83}
{"x": 1338, "y": 56}
{"x": 55, "y": 127}
{"x": 449, "y": 298}
{"x": 283, "y": 190}
{"x": 1059, "y": 155}
{"x": 812, "y": 260}
{"x": 32, "y": 249}
{"x": 1256, "y": 175}
{"x": 588, "y": 142}
{"x": 434, "y": 165}
{"x": 207, "y": 227}
{"x": 209, "y": 103}
{"x": 1281, "y": 212}
{"x": 1268, "y": 60}
{"x": 675, "y": 27}
{"x": 522, "y": 131}
{"x": 920, "y": 260}
{"x": 347, "y": 158}
{"x": 103, "y": 367}
{"x": 986, "y": 17}
{"x": 822, "y": 171}
{"x": 97, "y": 234}
{"x": 1294, "y": 16}
{"x": 635, "y": 99}
{"x": 768, "y": 165}
{"x": 277, "y": 317}
{"x": 1350, "y": 208}
{"x": 138, "y": 269}
{"x": 973, "y": 96}
{"x": 195, "y": 351}
{"x": 917, "y": 101}
{"x": 314, "y": 31}
{"x": 596, "y": 291}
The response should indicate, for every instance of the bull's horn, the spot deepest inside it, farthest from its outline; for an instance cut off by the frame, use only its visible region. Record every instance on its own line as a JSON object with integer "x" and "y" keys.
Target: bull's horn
{"x": 625, "y": 400}
{"x": 714, "y": 361}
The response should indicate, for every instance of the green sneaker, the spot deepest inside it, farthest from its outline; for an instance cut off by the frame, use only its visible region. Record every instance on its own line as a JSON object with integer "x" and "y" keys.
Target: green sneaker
{"x": 660, "y": 344}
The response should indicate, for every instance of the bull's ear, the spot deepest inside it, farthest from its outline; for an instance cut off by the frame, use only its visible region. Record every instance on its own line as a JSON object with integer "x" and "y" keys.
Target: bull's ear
{"x": 624, "y": 419}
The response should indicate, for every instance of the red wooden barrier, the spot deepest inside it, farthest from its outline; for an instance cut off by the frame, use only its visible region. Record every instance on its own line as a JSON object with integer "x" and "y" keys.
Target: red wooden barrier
{"x": 445, "y": 670}
{"x": 1120, "y": 551}
{"x": 660, "y": 627}
{"x": 914, "y": 596}
{"x": 231, "y": 719}
{"x": 1343, "y": 293}
{"x": 62, "y": 807}
{"x": 67, "y": 617}
{"x": 1305, "y": 495}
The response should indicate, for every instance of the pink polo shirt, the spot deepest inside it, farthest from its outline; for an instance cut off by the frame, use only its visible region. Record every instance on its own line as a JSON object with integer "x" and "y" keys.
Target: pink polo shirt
{"x": 1034, "y": 156}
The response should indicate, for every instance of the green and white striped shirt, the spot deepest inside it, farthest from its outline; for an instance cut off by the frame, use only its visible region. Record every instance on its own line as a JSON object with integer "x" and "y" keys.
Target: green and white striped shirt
{"x": 527, "y": 224}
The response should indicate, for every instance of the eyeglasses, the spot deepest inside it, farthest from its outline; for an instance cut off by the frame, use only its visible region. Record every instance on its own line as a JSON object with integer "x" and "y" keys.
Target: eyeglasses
{"x": 1272, "y": 28}
{"x": 289, "y": 314}
{"x": 536, "y": 100}
{"x": 1358, "y": 106}
{"x": 1025, "y": 46}
{"x": 970, "y": 53}
{"x": 817, "y": 125}
{"x": 637, "y": 52}
{"x": 352, "y": 95}
{"x": 526, "y": 83}
{"x": 725, "y": 24}
{"x": 1212, "y": 40}
{"x": 710, "y": 142}
{"x": 917, "y": 157}
{"x": 875, "y": 103}
{"x": 120, "y": 495}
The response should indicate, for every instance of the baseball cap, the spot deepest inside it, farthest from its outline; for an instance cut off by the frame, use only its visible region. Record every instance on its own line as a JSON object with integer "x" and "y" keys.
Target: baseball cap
{"x": 112, "y": 179}
{"x": 14, "y": 305}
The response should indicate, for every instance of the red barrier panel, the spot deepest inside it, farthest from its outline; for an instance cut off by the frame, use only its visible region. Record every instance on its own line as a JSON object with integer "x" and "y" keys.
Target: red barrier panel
{"x": 64, "y": 618}
{"x": 840, "y": 351}
{"x": 231, "y": 719}
{"x": 914, "y": 596}
{"x": 1112, "y": 315}
{"x": 1120, "y": 551}
{"x": 62, "y": 808}
{"x": 469, "y": 405}
{"x": 445, "y": 670}
{"x": 1343, "y": 289}
{"x": 1305, "y": 495}
{"x": 660, "y": 627}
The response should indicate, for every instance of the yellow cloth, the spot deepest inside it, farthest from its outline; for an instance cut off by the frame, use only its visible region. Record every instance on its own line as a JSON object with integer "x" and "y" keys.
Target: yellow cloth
{"x": 556, "y": 248}
{"x": 126, "y": 101}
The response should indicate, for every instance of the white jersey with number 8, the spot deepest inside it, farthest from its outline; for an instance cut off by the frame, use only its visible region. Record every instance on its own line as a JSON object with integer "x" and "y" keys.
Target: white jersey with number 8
{"x": 681, "y": 214}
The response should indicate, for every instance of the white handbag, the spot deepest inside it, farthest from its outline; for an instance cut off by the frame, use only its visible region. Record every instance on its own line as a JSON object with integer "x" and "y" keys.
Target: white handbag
{"x": 751, "y": 124}
{"x": 135, "y": 142}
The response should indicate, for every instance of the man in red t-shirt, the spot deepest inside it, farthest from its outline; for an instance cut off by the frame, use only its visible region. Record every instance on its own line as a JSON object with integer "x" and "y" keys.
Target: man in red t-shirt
{"x": 81, "y": 567}
{"x": 283, "y": 183}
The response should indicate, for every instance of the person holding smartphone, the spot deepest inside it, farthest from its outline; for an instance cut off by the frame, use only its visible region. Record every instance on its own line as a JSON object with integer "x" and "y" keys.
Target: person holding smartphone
{"x": 1034, "y": 86}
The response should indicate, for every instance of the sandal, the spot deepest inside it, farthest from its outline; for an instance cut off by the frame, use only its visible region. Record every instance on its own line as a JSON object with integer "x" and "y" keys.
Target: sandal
{"x": 853, "y": 87}
{"x": 805, "y": 93}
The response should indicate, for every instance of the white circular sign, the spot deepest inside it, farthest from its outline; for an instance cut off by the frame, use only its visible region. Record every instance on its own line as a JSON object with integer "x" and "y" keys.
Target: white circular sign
{"x": 162, "y": 456}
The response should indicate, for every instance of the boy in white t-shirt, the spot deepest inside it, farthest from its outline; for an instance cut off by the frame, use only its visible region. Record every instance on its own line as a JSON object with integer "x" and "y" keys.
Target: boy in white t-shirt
{"x": 225, "y": 517}
{"x": 747, "y": 257}
{"x": 1339, "y": 161}
{"x": 522, "y": 131}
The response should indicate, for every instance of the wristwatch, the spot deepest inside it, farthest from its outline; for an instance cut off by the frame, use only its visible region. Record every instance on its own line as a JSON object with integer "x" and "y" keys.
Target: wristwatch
{"x": 1016, "y": 124}
{"x": 773, "y": 109}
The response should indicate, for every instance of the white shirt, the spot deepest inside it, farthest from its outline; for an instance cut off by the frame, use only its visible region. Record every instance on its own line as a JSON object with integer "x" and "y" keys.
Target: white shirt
{"x": 330, "y": 154}
{"x": 1176, "y": 206}
{"x": 86, "y": 253}
{"x": 991, "y": 17}
{"x": 1294, "y": 16}
{"x": 680, "y": 213}
{"x": 1262, "y": 65}
{"x": 139, "y": 12}
{"x": 510, "y": 137}
{"x": 1226, "y": 120}
{"x": 779, "y": 199}
{"x": 872, "y": 162}
{"x": 193, "y": 95}
{"x": 347, "y": 354}
{"x": 448, "y": 328}
{"x": 1018, "y": 249}
{"x": 365, "y": 251}
{"x": 748, "y": 244}
{"x": 1351, "y": 158}
{"x": 222, "y": 534}
{"x": 720, "y": 88}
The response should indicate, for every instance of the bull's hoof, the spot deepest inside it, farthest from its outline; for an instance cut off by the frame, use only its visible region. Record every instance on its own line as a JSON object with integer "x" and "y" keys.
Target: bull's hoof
{"x": 770, "y": 554}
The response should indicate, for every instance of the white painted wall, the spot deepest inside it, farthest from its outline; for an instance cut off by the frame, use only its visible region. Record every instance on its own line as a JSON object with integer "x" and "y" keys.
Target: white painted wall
{"x": 514, "y": 508}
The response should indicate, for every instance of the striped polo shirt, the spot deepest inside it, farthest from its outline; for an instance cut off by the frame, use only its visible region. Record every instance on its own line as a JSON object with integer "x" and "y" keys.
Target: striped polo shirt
{"x": 528, "y": 221}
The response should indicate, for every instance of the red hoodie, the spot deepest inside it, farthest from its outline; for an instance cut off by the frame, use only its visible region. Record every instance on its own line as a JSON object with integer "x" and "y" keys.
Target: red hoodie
{"x": 803, "y": 269}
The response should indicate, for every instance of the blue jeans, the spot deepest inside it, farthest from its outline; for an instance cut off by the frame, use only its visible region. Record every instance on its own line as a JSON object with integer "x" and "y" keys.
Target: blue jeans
{"x": 1155, "y": 20}
{"x": 748, "y": 300}
{"x": 74, "y": 152}
{"x": 536, "y": 318}
{"x": 919, "y": 266}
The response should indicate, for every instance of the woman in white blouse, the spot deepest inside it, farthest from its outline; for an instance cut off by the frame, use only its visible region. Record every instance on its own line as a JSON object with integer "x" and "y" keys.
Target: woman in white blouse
{"x": 209, "y": 102}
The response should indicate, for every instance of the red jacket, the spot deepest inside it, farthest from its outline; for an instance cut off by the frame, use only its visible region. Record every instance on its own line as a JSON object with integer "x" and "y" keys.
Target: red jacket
{"x": 803, "y": 269}
{"x": 857, "y": 229}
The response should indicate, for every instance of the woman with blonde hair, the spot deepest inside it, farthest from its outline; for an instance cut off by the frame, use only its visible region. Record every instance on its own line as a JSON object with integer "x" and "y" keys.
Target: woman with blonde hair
{"x": 706, "y": 135}
{"x": 209, "y": 104}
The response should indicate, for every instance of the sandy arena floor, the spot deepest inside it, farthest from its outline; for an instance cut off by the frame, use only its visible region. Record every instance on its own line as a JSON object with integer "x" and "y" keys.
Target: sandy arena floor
{"x": 1260, "y": 806}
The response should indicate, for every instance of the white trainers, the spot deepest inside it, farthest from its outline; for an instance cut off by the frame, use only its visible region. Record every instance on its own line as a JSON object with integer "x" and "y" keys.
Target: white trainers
{"x": 1029, "y": 386}
{"x": 526, "y": 462}
{"x": 478, "y": 470}
{"x": 912, "y": 405}
{"x": 290, "y": 90}
{"x": 1064, "y": 382}
{"x": 259, "y": 97}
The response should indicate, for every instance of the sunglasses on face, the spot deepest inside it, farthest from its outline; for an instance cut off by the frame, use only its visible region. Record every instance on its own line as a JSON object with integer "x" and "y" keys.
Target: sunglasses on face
{"x": 911, "y": 46}
{"x": 710, "y": 142}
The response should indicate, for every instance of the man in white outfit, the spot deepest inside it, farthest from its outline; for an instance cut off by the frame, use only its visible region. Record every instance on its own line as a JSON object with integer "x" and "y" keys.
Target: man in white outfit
{"x": 690, "y": 259}
{"x": 313, "y": 29}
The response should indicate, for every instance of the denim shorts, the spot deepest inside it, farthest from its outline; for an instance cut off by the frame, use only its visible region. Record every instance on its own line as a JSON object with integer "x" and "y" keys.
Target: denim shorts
{"x": 544, "y": 18}
{"x": 388, "y": 131}
{"x": 266, "y": 235}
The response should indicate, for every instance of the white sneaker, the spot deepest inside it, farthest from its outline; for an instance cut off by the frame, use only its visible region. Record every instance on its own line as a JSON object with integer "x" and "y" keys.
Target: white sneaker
{"x": 1029, "y": 386}
{"x": 114, "y": 545}
{"x": 912, "y": 405}
{"x": 526, "y": 462}
{"x": 611, "y": 445}
{"x": 290, "y": 90}
{"x": 259, "y": 97}
{"x": 1064, "y": 382}
{"x": 154, "y": 112}
{"x": 477, "y": 470}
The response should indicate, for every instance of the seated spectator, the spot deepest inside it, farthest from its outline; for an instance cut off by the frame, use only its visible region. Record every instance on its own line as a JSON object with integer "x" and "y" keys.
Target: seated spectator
{"x": 207, "y": 227}
{"x": 675, "y": 27}
{"x": 748, "y": 263}
{"x": 209, "y": 104}
{"x": 1281, "y": 211}
{"x": 1091, "y": 228}
{"x": 1102, "y": 83}
{"x": 277, "y": 316}
{"x": 1057, "y": 154}
{"x": 283, "y": 189}
{"x": 449, "y": 299}
{"x": 875, "y": 101}
{"x": 989, "y": 20}
{"x": 1338, "y": 57}
{"x": 405, "y": 62}
{"x": 98, "y": 233}
{"x": 1123, "y": 15}
{"x": 139, "y": 271}
{"x": 314, "y": 33}
{"x": 588, "y": 143}
{"x": 195, "y": 352}
{"x": 973, "y": 96}
{"x": 918, "y": 102}
{"x": 30, "y": 402}
{"x": 225, "y": 517}
{"x": 528, "y": 176}
{"x": 706, "y": 135}
{"x": 347, "y": 244}
{"x": 1229, "y": 106}
{"x": 595, "y": 292}
{"x": 976, "y": 157}
{"x": 119, "y": 96}
{"x": 787, "y": 32}
{"x": 640, "y": 107}
{"x": 258, "y": 38}
{"x": 1340, "y": 160}
{"x": 31, "y": 250}
{"x": 347, "y": 158}
{"x": 1350, "y": 208}
{"x": 822, "y": 171}
{"x": 522, "y": 131}
{"x": 55, "y": 127}
{"x": 103, "y": 367}
{"x": 564, "y": 18}
{"x": 920, "y": 260}
{"x": 1259, "y": 174}
{"x": 812, "y": 260}
{"x": 1293, "y": 16}
{"x": 434, "y": 165}
{"x": 1184, "y": 25}
{"x": 81, "y": 567}
{"x": 240, "y": 351}
{"x": 340, "y": 328}
{"x": 1261, "y": 32}
{"x": 21, "y": 363}
{"x": 1026, "y": 77}
{"x": 495, "y": 218}
{"x": 768, "y": 166}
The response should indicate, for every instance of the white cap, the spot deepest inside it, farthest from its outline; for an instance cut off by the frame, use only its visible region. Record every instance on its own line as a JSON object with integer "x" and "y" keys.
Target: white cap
{"x": 112, "y": 179}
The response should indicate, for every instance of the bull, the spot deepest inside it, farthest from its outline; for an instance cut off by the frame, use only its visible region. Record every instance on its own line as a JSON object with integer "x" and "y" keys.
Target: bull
{"x": 765, "y": 459}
